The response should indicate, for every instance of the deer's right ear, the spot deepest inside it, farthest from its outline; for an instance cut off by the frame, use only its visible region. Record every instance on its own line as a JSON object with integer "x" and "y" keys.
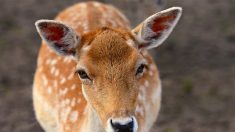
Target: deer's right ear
{"x": 59, "y": 37}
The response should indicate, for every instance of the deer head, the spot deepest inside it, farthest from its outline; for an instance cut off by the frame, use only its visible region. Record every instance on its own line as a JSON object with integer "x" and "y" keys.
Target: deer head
{"x": 110, "y": 64}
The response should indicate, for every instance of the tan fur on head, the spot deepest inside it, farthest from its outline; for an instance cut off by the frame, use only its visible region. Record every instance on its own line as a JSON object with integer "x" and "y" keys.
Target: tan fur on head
{"x": 115, "y": 79}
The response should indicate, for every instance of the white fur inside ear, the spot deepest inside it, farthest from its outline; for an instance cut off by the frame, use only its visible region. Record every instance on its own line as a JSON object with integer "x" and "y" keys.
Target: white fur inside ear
{"x": 146, "y": 31}
{"x": 69, "y": 41}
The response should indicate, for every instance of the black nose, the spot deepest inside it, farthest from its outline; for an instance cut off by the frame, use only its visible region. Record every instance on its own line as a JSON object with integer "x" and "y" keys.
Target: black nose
{"x": 119, "y": 127}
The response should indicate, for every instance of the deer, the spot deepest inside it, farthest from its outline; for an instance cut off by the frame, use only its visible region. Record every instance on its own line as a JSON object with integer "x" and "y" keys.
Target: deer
{"x": 95, "y": 74}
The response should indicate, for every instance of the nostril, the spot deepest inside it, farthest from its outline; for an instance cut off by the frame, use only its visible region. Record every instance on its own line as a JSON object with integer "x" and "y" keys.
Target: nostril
{"x": 122, "y": 127}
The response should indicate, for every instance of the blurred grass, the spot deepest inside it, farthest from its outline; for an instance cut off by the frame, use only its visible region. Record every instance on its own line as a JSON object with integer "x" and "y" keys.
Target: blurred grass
{"x": 196, "y": 62}
{"x": 187, "y": 86}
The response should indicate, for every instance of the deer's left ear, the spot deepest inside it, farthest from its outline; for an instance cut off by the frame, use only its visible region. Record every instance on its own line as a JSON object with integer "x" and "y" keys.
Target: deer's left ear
{"x": 155, "y": 29}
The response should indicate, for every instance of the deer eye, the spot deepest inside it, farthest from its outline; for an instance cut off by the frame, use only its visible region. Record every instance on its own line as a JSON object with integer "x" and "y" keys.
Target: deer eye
{"x": 82, "y": 74}
{"x": 140, "y": 69}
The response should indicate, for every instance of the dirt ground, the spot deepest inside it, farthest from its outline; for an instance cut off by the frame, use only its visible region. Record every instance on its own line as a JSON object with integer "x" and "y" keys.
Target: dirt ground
{"x": 197, "y": 62}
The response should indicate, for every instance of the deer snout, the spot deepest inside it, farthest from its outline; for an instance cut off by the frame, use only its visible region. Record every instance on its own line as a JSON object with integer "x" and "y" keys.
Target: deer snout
{"x": 128, "y": 124}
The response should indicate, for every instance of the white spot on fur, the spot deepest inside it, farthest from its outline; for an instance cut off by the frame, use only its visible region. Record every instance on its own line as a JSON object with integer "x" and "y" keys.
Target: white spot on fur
{"x": 63, "y": 91}
{"x": 130, "y": 42}
{"x": 74, "y": 116}
{"x": 97, "y": 4}
{"x": 44, "y": 80}
{"x": 53, "y": 62}
{"x": 63, "y": 80}
{"x": 56, "y": 72}
{"x": 49, "y": 90}
{"x": 139, "y": 109}
{"x": 67, "y": 59}
{"x": 70, "y": 76}
{"x": 73, "y": 87}
{"x": 86, "y": 48}
{"x": 151, "y": 73}
{"x": 146, "y": 83}
{"x": 53, "y": 70}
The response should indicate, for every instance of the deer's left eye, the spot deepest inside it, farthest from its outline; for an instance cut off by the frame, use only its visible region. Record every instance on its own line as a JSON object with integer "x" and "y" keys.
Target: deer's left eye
{"x": 140, "y": 69}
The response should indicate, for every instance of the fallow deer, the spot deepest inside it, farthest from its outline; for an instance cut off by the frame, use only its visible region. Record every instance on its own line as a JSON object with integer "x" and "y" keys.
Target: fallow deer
{"x": 94, "y": 74}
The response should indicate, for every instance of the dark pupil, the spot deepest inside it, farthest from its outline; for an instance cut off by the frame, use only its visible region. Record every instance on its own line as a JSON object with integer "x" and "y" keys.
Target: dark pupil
{"x": 140, "y": 69}
{"x": 82, "y": 74}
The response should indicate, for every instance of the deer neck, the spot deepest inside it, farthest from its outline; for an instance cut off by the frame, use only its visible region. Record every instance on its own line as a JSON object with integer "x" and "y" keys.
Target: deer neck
{"x": 92, "y": 121}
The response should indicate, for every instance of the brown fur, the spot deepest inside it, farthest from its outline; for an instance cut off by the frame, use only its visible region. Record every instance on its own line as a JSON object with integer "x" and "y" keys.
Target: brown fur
{"x": 110, "y": 61}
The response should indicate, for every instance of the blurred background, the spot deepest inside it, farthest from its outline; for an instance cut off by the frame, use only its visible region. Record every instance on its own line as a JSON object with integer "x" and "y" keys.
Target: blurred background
{"x": 197, "y": 62}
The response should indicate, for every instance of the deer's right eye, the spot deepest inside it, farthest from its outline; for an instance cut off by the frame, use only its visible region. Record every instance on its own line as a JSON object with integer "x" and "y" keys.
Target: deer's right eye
{"x": 82, "y": 74}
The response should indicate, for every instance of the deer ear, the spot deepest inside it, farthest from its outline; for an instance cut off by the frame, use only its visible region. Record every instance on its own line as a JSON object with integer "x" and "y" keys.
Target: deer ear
{"x": 155, "y": 29}
{"x": 58, "y": 36}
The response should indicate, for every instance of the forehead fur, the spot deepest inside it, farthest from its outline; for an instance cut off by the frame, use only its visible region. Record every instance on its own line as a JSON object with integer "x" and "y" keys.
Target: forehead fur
{"x": 108, "y": 44}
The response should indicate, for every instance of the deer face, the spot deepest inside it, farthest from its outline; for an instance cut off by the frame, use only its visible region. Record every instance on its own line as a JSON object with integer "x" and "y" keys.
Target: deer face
{"x": 110, "y": 64}
{"x": 110, "y": 68}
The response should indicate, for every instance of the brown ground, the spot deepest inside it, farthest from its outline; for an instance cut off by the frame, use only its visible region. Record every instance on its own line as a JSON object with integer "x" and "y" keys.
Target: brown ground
{"x": 196, "y": 63}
